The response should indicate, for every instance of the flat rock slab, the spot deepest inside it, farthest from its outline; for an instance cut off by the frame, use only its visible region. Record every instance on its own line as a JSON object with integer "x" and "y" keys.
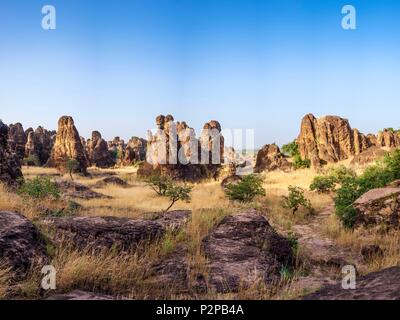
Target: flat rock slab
{"x": 112, "y": 180}
{"x": 244, "y": 249}
{"x": 21, "y": 245}
{"x": 70, "y": 189}
{"x": 82, "y": 295}
{"x": 111, "y": 232}
{"x": 381, "y": 285}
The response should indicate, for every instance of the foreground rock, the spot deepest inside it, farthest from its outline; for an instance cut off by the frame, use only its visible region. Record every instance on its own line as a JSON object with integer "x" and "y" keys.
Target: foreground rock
{"x": 379, "y": 207}
{"x": 10, "y": 166}
{"x": 381, "y": 285}
{"x": 110, "y": 232}
{"x": 70, "y": 189}
{"x": 270, "y": 158}
{"x": 82, "y": 296}
{"x": 244, "y": 249}
{"x": 68, "y": 146}
{"x": 21, "y": 245}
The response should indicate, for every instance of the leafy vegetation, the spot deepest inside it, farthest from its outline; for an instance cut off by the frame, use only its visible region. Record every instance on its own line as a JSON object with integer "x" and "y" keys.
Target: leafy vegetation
{"x": 39, "y": 188}
{"x": 299, "y": 163}
{"x": 335, "y": 176}
{"x": 245, "y": 190}
{"x": 291, "y": 149}
{"x": 178, "y": 192}
{"x": 31, "y": 160}
{"x": 296, "y": 199}
{"x": 159, "y": 184}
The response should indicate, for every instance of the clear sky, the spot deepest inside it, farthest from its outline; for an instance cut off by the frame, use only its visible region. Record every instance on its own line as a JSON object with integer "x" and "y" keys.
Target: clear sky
{"x": 262, "y": 65}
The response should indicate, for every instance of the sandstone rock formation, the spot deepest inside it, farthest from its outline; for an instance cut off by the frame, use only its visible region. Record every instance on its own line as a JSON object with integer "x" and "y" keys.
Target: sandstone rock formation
{"x": 270, "y": 158}
{"x": 329, "y": 139}
{"x": 68, "y": 146}
{"x": 10, "y": 166}
{"x": 17, "y": 140}
{"x": 379, "y": 207}
{"x": 110, "y": 232}
{"x": 381, "y": 285}
{"x": 175, "y": 151}
{"x": 39, "y": 144}
{"x": 244, "y": 249}
{"x": 135, "y": 151}
{"x": 370, "y": 155}
{"x": 98, "y": 153}
{"x": 388, "y": 138}
{"x": 117, "y": 148}
{"x": 21, "y": 245}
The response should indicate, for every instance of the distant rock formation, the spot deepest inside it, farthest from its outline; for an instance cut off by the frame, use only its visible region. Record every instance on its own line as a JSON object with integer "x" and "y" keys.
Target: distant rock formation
{"x": 117, "y": 149}
{"x": 10, "y": 165}
{"x": 98, "y": 153}
{"x": 270, "y": 158}
{"x": 68, "y": 146}
{"x": 388, "y": 138}
{"x": 39, "y": 144}
{"x": 17, "y": 139}
{"x": 175, "y": 151}
{"x": 135, "y": 151}
{"x": 330, "y": 139}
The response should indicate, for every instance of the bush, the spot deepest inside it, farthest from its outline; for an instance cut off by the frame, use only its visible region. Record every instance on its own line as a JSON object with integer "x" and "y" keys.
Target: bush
{"x": 299, "y": 163}
{"x": 176, "y": 193}
{"x": 39, "y": 188}
{"x": 296, "y": 199}
{"x": 340, "y": 173}
{"x": 159, "y": 184}
{"x": 245, "y": 190}
{"x": 345, "y": 196}
{"x": 323, "y": 184}
{"x": 376, "y": 176}
{"x": 291, "y": 149}
{"x": 392, "y": 162}
{"x": 31, "y": 161}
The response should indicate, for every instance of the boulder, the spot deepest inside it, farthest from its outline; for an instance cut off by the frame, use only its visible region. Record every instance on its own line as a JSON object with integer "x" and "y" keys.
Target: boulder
{"x": 98, "y": 153}
{"x": 111, "y": 180}
{"x": 17, "y": 140}
{"x": 109, "y": 232}
{"x": 68, "y": 146}
{"x": 379, "y": 207}
{"x": 244, "y": 249}
{"x": 270, "y": 158}
{"x": 10, "y": 165}
{"x": 21, "y": 245}
{"x": 381, "y": 285}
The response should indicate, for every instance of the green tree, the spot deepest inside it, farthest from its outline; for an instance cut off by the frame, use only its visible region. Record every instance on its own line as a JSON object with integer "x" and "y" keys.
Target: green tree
{"x": 291, "y": 149}
{"x": 296, "y": 199}
{"x": 178, "y": 193}
{"x": 245, "y": 190}
{"x": 159, "y": 184}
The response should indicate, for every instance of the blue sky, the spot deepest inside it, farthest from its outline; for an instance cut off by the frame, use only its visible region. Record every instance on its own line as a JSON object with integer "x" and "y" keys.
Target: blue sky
{"x": 262, "y": 65}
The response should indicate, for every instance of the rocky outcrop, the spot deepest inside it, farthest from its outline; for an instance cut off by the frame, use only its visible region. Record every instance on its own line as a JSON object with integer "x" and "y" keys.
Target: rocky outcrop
{"x": 175, "y": 151}
{"x": 381, "y": 285}
{"x": 270, "y": 158}
{"x": 329, "y": 139}
{"x": 68, "y": 146}
{"x": 135, "y": 151}
{"x": 98, "y": 153}
{"x": 111, "y": 232}
{"x": 39, "y": 144}
{"x": 21, "y": 245}
{"x": 388, "y": 138}
{"x": 111, "y": 180}
{"x": 17, "y": 140}
{"x": 244, "y": 249}
{"x": 10, "y": 166}
{"x": 379, "y": 207}
{"x": 70, "y": 189}
{"x": 117, "y": 148}
{"x": 370, "y": 155}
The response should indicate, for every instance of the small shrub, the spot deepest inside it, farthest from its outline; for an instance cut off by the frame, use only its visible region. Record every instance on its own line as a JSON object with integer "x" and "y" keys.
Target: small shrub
{"x": 39, "y": 188}
{"x": 291, "y": 149}
{"x": 340, "y": 173}
{"x": 299, "y": 163}
{"x": 376, "y": 176}
{"x": 296, "y": 199}
{"x": 323, "y": 184}
{"x": 392, "y": 162}
{"x": 245, "y": 190}
{"x": 178, "y": 193}
{"x": 344, "y": 199}
{"x": 71, "y": 165}
{"x": 159, "y": 184}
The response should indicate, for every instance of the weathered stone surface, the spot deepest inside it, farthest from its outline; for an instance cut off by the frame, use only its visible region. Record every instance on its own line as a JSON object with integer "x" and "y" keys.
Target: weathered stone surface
{"x": 39, "y": 144}
{"x": 175, "y": 151}
{"x": 98, "y": 152}
{"x": 370, "y": 155}
{"x": 270, "y": 158}
{"x": 111, "y": 180}
{"x": 10, "y": 166}
{"x": 135, "y": 151}
{"x": 68, "y": 145}
{"x": 379, "y": 207}
{"x": 82, "y": 296}
{"x": 244, "y": 249}
{"x": 117, "y": 148}
{"x": 17, "y": 140}
{"x": 21, "y": 245}
{"x": 381, "y": 285}
{"x": 388, "y": 138}
{"x": 329, "y": 139}
{"x": 70, "y": 189}
{"x": 109, "y": 232}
